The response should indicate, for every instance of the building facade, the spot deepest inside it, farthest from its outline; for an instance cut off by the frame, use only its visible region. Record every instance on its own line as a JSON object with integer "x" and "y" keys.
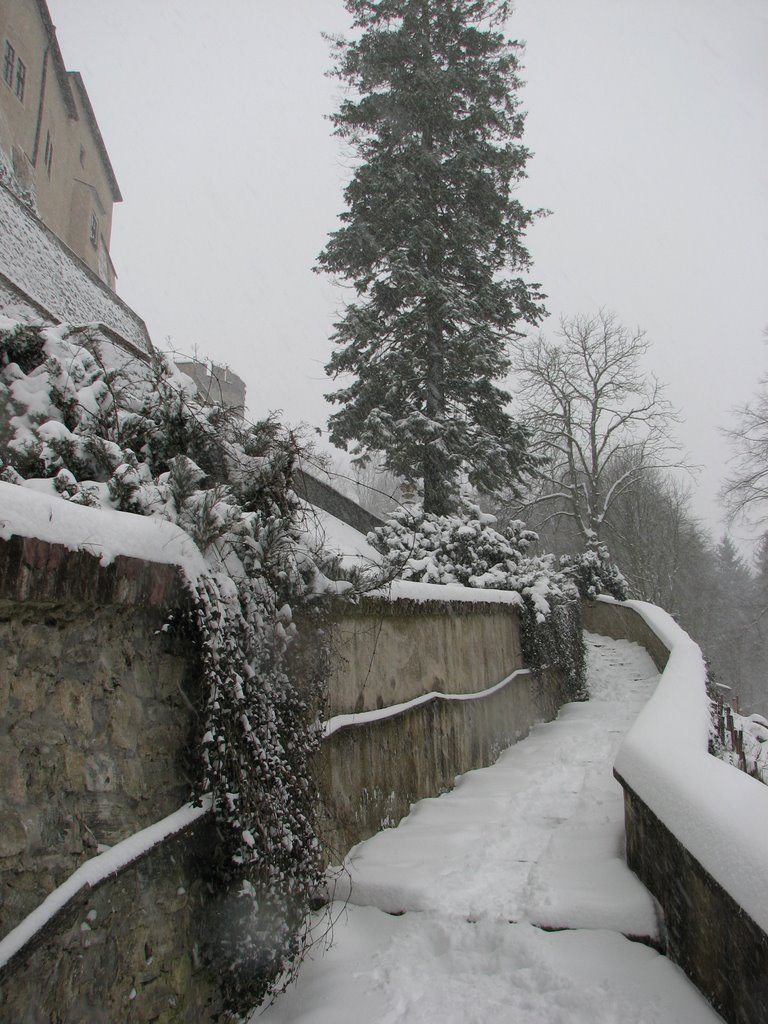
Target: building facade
{"x": 216, "y": 385}
{"x": 49, "y": 138}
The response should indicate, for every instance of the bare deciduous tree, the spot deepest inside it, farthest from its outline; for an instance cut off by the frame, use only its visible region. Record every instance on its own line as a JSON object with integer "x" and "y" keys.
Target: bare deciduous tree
{"x": 592, "y": 408}
{"x": 745, "y": 492}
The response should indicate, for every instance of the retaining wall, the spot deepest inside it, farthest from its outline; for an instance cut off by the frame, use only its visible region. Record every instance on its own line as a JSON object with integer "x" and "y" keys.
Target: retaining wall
{"x": 128, "y": 949}
{"x": 370, "y": 772}
{"x": 94, "y": 720}
{"x": 96, "y": 717}
{"x": 387, "y": 652}
{"x": 41, "y": 272}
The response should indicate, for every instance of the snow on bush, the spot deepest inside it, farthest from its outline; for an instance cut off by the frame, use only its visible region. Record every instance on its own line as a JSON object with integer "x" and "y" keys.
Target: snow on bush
{"x": 467, "y": 549}
{"x": 593, "y": 573}
{"x": 89, "y": 424}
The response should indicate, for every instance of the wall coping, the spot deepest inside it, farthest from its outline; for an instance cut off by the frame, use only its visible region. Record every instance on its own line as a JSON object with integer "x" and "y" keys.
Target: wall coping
{"x": 39, "y": 572}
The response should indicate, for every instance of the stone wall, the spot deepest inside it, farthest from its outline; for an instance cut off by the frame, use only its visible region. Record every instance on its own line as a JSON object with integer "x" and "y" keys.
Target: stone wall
{"x": 128, "y": 950}
{"x": 94, "y": 718}
{"x": 43, "y": 269}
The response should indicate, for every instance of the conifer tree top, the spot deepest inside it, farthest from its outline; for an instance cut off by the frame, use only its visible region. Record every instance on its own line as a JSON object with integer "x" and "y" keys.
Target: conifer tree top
{"x": 432, "y": 242}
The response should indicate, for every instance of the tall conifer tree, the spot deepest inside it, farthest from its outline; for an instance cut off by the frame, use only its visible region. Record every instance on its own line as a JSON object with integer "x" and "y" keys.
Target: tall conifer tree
{"x": 432, "y": 241}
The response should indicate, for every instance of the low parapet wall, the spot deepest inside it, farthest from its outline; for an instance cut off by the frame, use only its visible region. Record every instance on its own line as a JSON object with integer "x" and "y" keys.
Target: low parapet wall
{"x": 696, "y": 828}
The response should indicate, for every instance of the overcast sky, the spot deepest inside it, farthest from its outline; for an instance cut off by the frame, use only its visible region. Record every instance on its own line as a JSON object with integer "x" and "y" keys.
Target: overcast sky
{"x": 649, "y": 124}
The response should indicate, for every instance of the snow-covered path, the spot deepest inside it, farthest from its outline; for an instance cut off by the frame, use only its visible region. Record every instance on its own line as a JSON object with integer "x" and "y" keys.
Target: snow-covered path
{"x": 533, "y": 842}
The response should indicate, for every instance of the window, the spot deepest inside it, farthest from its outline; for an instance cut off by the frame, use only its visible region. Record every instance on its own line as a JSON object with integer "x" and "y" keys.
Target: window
{"x": 94, "y": 235}
{"x": 10, "y": 59}
{"x": 48, "y": 156}
{"x": 21, "y": 74}
{"x": 82, "y": 156}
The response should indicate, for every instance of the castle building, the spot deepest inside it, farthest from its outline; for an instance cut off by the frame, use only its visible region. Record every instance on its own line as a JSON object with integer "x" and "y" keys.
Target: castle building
{"x": 49, "y": 138}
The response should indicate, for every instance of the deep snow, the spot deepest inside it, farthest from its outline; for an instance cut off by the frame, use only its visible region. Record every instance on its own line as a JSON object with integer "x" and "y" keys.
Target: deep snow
{"x": 536, "y": 839}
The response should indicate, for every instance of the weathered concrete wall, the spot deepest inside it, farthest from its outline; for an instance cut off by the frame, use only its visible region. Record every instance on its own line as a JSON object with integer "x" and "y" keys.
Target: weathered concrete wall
{"x": 386, "y": 652}
{"x": 127, "y": 950}
{"x": 93, "y": 717}
{"x": 370, "y": 774}
{"x": 622, "y": 623}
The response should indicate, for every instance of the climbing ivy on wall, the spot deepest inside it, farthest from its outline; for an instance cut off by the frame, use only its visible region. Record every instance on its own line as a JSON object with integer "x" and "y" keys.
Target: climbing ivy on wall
{"x": 105, "y": 430}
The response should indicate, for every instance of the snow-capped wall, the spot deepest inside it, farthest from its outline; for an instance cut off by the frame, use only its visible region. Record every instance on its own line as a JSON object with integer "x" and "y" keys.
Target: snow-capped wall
{"x": 697, "y": 828}
{"x": 125, "y": 939}
{"x": 36, "y": 264}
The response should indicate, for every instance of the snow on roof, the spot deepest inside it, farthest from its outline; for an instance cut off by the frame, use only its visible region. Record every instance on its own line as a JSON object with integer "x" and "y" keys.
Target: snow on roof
{"x": 718, "y": 813}
{"x": 46, "y": 270}
{"x": 105, "y": 533}
{"x": 322, "y": 528}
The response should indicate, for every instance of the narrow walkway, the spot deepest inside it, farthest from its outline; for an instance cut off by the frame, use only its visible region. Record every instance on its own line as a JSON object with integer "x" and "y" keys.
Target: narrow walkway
{"x": 449, "y": 915}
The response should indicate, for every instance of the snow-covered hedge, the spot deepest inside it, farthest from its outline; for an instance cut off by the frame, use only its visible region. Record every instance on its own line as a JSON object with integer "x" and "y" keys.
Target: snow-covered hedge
{"x": 87, "y": 424}
{"x": 465, "y": 548}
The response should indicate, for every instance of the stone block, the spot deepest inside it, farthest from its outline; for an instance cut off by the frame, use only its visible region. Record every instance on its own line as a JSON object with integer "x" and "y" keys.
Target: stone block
{"x": 12, "y": 778}
{"x": 27, "y": 691}
{"x": 134, "y": 783}
{"x": 36, "y": 735}
{"x": 73, "y": 770}
{"x": 72, "y": 702}
{"x": 13, "y": 834}
{"x": 126, "y": 713}
{"x": 5, "y": 683}
{"x": 101, "y": 774}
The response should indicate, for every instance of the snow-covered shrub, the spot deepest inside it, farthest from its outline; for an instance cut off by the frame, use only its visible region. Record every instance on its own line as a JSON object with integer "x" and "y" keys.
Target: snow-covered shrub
{"x": 466, "y": 548}
{"x": 593, "y": 573}
{"x": 97, "y": 427}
